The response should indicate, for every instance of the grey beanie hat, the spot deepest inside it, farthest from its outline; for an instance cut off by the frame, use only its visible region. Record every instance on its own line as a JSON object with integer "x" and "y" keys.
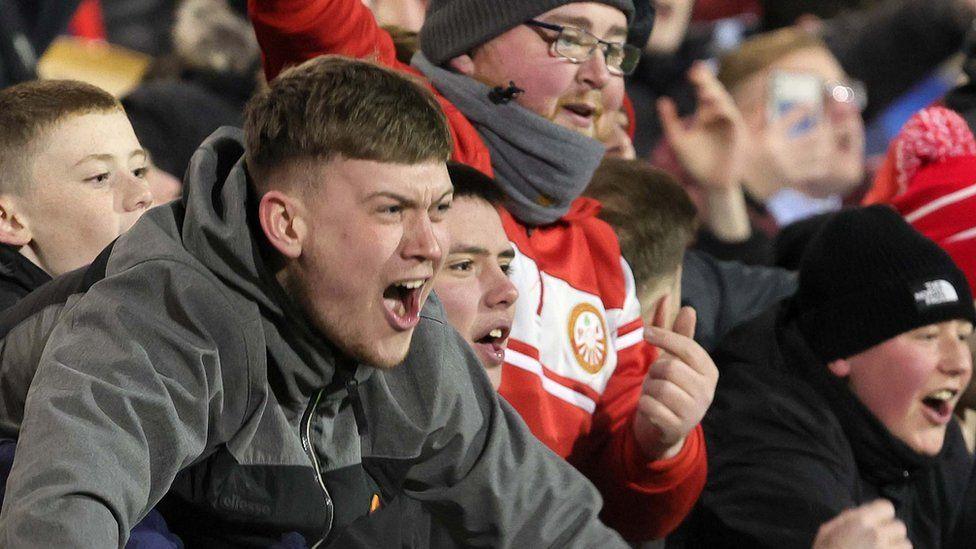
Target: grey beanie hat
{"x": 455, "y": 27}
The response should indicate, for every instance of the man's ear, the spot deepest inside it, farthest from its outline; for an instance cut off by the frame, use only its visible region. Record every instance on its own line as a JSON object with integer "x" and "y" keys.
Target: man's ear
{"x": 840, "y": 367}
{"x": 282, "y": 218}
{"x": 462, "y": 64}
{"x": 13, "y": 226}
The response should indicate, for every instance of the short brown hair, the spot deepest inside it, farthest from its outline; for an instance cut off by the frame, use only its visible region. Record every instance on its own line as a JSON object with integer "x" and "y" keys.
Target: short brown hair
{"x": 28, "y": 109}
{"x": 651, "y": 213}
{"x": 335, "y": 106}
{"x": 761, "y": 51}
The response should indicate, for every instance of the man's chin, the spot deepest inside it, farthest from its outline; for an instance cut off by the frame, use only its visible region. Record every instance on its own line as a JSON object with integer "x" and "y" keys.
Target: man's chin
{"x": 586, "y": 131}
{"x": 385, "y": 354}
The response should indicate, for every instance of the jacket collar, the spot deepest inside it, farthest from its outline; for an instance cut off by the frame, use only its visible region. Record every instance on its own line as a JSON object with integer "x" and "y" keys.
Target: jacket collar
{"x": 20, "y": 271}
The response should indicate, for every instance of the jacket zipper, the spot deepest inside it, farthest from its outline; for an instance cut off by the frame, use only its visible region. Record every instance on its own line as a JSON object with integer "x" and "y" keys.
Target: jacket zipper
{"x": 306, "y": 434}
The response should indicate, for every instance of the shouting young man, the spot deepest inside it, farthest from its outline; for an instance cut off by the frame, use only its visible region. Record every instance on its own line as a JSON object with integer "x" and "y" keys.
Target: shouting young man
{"x": 523, "y": 84}
{"x": 236, "y": 356}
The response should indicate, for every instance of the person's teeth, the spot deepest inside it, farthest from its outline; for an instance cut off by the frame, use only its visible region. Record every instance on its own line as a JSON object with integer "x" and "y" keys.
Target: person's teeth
{"x": 496, "y": 333}
{"x": 943, "y": 395}
{"x": 412, "y": 284}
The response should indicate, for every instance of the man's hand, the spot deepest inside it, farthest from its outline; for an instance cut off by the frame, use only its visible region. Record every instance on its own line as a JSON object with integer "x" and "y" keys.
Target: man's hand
{"x": 711, "y": 144}
{"x": 677, "y": 390}
{"x": 870, "y": 526}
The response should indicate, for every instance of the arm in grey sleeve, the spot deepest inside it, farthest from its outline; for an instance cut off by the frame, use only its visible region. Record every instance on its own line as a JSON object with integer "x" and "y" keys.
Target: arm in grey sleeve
{"x": 482, "y": 469}
{"x": 728, "y": 293}
{"x": 129, "y": 390}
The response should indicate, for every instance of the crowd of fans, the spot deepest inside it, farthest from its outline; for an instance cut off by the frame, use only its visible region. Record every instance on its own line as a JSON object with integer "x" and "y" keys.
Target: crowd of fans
{"x": 433, "y": 273}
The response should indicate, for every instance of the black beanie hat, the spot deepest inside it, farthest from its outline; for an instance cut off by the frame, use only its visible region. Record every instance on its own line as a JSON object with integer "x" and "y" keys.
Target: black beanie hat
{"x": 455, "y": 27}
{"x": 867, "y": 277}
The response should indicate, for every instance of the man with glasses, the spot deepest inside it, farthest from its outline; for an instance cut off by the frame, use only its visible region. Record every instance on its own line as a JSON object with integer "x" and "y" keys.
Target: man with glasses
{"x": 524, "y": 83}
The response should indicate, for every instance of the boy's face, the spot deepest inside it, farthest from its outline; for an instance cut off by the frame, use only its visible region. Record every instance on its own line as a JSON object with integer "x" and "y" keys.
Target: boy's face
{"x": 373, "y": 239}
{"x": 913, "y": 382}
{"x": 87, "y": 186}
{"x": 474, "y": 285}
{"x": 571, "y": 95}
{"x": 842, "y": 119}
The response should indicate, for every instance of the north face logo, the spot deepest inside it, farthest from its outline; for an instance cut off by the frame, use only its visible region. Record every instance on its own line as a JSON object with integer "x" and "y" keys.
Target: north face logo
{"x": 935, "y": 292}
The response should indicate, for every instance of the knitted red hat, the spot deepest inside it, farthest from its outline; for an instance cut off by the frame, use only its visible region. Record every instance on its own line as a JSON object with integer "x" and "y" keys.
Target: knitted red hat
{"x": 934, "y": 168}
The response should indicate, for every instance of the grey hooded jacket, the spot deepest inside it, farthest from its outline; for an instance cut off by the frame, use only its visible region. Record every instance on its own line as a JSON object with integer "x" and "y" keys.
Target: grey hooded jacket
{"x": 184, "y": 372}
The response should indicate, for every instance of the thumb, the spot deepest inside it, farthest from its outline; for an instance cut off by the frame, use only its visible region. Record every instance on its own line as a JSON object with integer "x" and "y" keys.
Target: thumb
{"x": 685, "y": 323}
{"x": 667, "y": 112}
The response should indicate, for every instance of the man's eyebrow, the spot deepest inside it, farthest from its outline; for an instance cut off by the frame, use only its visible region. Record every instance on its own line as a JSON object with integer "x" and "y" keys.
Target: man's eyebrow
{"x": 409, "y": 202}
{"x": 108, "y": 157}
{"x": 615, "y": 31}
{"x": 575, "y": 21}
{"x": 391, "y": 195}
{"x": 508, "y": 254}
{"x": 467, "y": 249}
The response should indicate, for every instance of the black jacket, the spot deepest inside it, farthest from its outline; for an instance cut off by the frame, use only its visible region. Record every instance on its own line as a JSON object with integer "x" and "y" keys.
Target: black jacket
{"x": 790, "y": 447}
{"x": 18, "y": 277}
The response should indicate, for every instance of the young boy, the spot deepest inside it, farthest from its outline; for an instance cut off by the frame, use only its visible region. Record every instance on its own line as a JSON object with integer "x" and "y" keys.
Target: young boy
{"x": 474, "y": 284}
{"x": 73, "y": 179}
{"x": 832, "y": 424}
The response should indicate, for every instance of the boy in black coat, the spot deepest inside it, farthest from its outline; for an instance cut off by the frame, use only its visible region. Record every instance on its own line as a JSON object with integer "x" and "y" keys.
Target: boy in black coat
{"x": 832, "y": 423}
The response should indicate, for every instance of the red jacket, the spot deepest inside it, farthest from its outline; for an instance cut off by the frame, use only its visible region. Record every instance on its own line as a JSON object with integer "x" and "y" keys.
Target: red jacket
{"x": 576, "y": 359}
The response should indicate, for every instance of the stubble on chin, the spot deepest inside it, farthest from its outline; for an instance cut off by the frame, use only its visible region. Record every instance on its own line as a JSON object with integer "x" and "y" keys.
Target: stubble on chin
{"x": 344, "y": 333}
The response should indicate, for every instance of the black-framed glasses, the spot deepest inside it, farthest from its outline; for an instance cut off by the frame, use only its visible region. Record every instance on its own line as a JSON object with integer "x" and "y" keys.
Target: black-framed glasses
{"x": 578, "y": 45}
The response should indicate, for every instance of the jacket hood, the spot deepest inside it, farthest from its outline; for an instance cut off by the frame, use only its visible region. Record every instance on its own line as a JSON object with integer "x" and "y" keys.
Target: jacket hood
{"x": 219, "y": 229}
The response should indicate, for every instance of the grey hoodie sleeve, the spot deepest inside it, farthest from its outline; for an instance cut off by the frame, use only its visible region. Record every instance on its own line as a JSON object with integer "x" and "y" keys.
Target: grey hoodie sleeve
{"x": 129, "y": 390}
{"x": 481, "y": 473}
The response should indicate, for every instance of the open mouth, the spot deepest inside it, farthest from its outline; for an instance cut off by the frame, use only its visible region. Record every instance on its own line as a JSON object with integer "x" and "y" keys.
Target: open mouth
{"x": 583, "y": 114}
{"x": 939, "y": 405}
{"x": 401, "y": 300}
{"x": 491, "y": 346}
